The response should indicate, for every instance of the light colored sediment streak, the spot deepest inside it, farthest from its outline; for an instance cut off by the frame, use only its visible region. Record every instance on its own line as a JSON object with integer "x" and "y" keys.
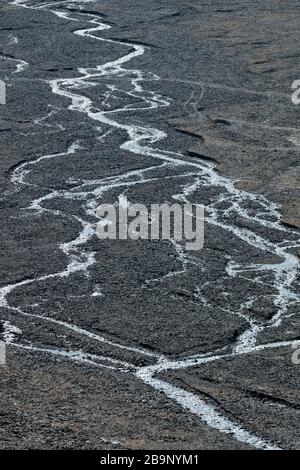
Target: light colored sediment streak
{"x": 206, "y": 412}
{"x": 20, "y": 64}
{"x": 80, "y": 357}
{"x": 143, "y": 141}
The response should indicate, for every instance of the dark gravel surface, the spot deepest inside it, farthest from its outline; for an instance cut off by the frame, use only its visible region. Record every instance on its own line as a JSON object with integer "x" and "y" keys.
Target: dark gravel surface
{"x": 144, "y": 344}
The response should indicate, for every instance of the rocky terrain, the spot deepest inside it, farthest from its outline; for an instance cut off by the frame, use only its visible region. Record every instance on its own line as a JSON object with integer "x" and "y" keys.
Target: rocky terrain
{"x": 143, "y": 344}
